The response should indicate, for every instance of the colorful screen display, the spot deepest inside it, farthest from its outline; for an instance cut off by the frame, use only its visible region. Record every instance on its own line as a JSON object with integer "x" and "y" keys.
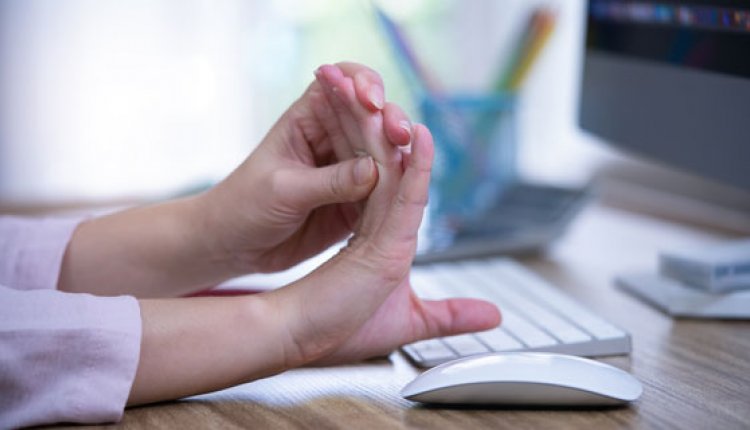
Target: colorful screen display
{"x": 707, "y": 35}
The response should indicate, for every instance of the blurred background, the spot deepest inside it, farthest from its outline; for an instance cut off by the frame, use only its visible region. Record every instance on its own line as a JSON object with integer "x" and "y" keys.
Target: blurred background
{"x": 102, "y": 100}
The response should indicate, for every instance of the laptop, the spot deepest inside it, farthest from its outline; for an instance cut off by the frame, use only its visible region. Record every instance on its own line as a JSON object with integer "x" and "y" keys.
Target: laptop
{"x": 525, "y": 218}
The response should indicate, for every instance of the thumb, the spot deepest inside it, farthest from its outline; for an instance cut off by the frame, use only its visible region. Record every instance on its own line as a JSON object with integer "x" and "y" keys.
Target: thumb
{"x": 456, "y": 316}
{"x": 346, "y": 181}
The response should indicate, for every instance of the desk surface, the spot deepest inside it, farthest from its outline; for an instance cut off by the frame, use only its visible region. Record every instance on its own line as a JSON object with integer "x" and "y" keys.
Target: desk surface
{"x": 696, "y": 374}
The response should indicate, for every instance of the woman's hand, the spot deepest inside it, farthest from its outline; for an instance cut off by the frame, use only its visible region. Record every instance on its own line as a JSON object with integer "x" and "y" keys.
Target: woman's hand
{"x": 360, "y": 303}
{"x": 301, "y": 190}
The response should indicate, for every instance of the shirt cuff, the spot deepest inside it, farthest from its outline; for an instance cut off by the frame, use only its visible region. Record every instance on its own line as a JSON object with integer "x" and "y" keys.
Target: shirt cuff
{"x": 32, "y": 251}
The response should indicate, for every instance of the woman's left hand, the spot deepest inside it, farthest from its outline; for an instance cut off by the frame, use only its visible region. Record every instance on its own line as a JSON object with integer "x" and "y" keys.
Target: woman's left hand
{"x": 302, "y": 189}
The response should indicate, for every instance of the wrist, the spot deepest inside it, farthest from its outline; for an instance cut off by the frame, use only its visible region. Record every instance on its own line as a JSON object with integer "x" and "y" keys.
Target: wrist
{"x": 212, "y": 224}
{"x": 238, "y": 341}
{"x": 319, "y": 312}
{"x": 275, "y": 312}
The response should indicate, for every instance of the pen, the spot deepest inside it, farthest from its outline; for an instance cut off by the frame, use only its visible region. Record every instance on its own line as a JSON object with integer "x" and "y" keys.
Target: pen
{"x": 406, "y": 58}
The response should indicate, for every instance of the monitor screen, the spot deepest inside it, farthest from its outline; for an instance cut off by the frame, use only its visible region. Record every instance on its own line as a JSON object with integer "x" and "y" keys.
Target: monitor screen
{"x": 670, "y": 80}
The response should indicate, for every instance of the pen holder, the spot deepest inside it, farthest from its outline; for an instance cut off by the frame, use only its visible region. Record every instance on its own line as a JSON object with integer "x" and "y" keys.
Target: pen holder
{"x": 475, "y": 158}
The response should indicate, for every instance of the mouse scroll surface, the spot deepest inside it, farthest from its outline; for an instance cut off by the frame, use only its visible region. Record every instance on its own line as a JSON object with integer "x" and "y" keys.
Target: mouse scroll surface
{"x": 524, "y": 379}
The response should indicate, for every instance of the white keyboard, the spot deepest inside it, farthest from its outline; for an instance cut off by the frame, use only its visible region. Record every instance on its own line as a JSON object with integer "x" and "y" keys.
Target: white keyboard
{"x": 536, "y": 315}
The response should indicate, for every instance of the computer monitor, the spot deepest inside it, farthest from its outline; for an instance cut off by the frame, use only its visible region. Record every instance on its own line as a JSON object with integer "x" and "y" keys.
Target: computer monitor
{"x": 670, "y": 80}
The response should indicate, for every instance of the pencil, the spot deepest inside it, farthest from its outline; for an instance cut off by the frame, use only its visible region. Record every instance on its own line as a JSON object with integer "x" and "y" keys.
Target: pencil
{"x": 528, "y": 47}
{"x": 405, "y": 55}
{"x": 544, "y": 27}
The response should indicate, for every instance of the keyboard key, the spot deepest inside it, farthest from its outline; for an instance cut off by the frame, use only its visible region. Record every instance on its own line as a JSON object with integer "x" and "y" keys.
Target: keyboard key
{"x": 527, "y": 333}
{"x": 432, "y": 350}
{"x": 602, "y": 330}
{"x": 428, "y": 286}
{"x": 499, "y": 340}
{"x": 454, "y": 279}
{"x": 549, "y": 321}
{"x": 465, "y": 344}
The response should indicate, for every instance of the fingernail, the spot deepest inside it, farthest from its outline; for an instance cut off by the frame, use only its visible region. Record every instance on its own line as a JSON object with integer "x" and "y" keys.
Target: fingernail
{"x": 375, "y": 97}
{"x": 363, "y": 171}
{"x": 406, "y": 125}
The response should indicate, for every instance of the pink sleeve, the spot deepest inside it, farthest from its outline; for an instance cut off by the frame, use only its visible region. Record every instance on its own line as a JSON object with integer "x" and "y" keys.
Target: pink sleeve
{"x": 31, "y": 251}
{"x": 66, "y": 357}
{"x": 63, "y": 357}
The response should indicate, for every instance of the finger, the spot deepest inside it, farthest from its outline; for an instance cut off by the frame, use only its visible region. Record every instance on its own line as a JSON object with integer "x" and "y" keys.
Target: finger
{"x": 350, "y": 69}
{"x": 339, "y": 91}
{"x": 369, "y": 94}
{"x": 319, "y": 233}
{"x": 457, "y": 316}
{"x": 405, "y": 156}
{"x": 405, "y": 213}
{"x": 363, "y": 128}
{"x": 312, "y": 131}
{"x": 365, "y": 134}
{"x": 318, "y": 125}
{"x": 330, "y": 112}
{"x": 368, "y": 84}
{"x": 347, "y": 181}
{"x": 397, "y": 125}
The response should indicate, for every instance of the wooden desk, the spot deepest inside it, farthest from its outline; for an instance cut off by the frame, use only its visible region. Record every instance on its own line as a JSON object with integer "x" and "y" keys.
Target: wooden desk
{"x": 696, "y": 373}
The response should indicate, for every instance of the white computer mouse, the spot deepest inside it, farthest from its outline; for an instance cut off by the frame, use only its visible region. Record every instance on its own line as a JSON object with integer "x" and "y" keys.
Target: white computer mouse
{"x": 524, "y": 378}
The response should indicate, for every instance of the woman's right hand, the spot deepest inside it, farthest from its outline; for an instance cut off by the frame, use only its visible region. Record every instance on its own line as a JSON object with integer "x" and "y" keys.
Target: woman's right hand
{"x": 360, "y": 303}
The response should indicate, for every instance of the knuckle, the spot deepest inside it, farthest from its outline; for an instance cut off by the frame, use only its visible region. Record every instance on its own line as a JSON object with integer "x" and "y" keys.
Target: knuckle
{"x": 424, "y": 168}
{"x": 336, "y": 186}
{"x": 404, "y": 202}
{"x": 394, "y": 110}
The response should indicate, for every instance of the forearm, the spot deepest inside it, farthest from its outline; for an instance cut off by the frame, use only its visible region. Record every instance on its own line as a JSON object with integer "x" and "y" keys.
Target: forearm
{"x": 162, "y": 250}
{"x": 193, "y": 346}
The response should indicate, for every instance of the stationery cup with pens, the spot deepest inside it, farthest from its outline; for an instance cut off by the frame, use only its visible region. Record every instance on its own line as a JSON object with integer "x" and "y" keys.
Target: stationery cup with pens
{"x": 475, "y": 147}
{"x": 475, "y": 137}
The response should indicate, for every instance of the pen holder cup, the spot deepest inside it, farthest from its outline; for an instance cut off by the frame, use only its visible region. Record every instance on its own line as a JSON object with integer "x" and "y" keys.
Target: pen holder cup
{"x": 475, "y": 158}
